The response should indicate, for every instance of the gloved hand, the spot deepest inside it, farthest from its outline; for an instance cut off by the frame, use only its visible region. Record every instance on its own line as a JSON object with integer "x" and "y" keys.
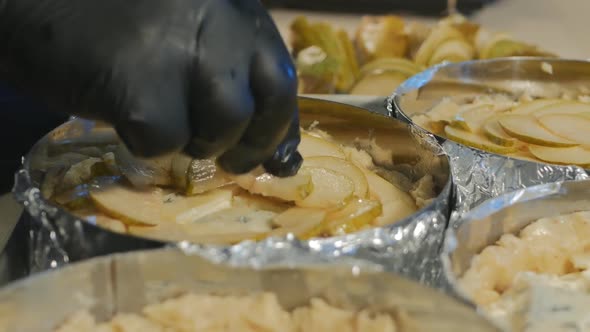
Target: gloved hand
{"x": 212, "y": 77}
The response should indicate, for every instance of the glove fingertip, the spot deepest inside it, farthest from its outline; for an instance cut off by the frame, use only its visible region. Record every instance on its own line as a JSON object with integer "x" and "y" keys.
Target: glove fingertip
{"x": 284, "y": 166}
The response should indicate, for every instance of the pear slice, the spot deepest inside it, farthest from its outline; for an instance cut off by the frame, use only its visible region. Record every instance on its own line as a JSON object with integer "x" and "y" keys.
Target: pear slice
{"x": 312, "y": 146}
{"x": 179, "y": 169}
{"x": 476, "y": 141}
{"x": 527, "y": 108}
{"x": 568, "y": 156}
{"x": 395, "y": 203}
{"x": 330, "y": 189}
{"x": 437, "y": 36}
{"x": 421, "y": 120}
{"x": 93, "y": 216}
{"x": 526, "y": 155}
{"x": 571, "y": 126}
{"x": 527, "y": 129}
{"x": 356, "y": 215}
{"x": 297, "y": 221}
{"x": 565, "y": 107}
{"x": 226, "y": 226}
{"x": 378, "y": 84}
{"x": 473, "y": 117}
{"x": 441, "y": 115}
{"x": 444, "y": 111}
{"x": 293, "y": 188}
{"x": 235, "y": 219}
{"x": 455, "y": 50}
{"x": 107, "y": 222}
{"x": 258, "y": 202}
{"x": 344, "y": 167}
{"x": 176, "y": 233}
{"x": 154, "y": 206}
{"x": 494, "y": 132}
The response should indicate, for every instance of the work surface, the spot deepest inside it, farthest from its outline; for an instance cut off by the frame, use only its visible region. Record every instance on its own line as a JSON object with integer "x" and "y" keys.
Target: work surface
{"x": 559, "y": 26}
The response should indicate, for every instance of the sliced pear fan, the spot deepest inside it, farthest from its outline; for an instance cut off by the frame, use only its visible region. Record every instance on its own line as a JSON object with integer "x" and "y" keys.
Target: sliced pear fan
{"x": 476, "y": 141}
{"x": 330, "y": 195}
{"x": 527, "y": 129}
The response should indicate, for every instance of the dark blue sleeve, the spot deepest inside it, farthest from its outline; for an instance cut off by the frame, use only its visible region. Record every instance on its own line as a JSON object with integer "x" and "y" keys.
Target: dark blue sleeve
{"x": 22, "y": 123}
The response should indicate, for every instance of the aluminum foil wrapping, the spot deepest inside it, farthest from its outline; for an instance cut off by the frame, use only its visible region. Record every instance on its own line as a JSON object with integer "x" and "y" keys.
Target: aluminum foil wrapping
{"x": 410, "y": 247}
{"x": 508, "y": 213}
{"x": 479, "y": 175}
{"x": 128, "y": 282}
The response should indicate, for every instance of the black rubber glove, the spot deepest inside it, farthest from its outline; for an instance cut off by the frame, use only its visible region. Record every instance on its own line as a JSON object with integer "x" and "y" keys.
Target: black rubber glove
{"x": 212, "y": 77}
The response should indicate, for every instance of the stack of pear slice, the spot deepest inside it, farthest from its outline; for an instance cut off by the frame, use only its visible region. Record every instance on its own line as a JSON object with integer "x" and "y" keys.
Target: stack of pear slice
{"x": 332, "y": 194}
{"x": 555, "y": 131}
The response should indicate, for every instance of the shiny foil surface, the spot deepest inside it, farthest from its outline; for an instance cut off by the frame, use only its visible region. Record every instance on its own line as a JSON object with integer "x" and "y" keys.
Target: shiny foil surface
{"x": 479, "y": 176}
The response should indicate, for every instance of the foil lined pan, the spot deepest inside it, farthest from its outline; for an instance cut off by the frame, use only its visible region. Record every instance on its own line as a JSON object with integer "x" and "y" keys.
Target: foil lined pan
{"x": 479, "y": 175}
{"x": 410, "y": 247}
{"x": 508, "y": 213}
{"x": 128, "y": 282}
